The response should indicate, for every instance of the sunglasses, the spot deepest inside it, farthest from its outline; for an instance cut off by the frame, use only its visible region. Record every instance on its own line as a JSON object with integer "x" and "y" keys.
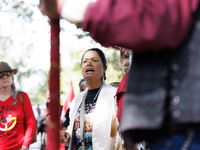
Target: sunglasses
{"x": 5, "y": 74}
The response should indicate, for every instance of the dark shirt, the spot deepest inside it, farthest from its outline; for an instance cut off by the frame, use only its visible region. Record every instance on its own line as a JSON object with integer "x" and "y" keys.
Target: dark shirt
{"x": 89, "y": 99}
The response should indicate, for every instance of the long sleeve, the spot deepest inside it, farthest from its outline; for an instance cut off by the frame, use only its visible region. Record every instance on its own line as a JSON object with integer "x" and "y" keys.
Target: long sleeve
{"x": 120, "y": 95}
{"x": 30, "y": 121}
{"x": 140, "y": 25}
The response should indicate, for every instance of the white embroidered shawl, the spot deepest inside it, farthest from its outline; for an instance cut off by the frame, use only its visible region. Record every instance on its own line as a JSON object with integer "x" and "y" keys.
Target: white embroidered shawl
{"x": 104, "y": 110}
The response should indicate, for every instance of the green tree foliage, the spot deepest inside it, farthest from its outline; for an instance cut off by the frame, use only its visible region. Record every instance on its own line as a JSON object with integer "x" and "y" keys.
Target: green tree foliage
{"x": 18, "y": 52}
{"x": 17, "y": 7}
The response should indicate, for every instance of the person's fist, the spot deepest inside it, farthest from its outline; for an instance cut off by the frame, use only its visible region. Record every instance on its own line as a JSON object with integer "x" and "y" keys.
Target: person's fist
{"x": 44, "y": 113}
{"x": 50, "y": 9}
{"x": 64, "y": 137}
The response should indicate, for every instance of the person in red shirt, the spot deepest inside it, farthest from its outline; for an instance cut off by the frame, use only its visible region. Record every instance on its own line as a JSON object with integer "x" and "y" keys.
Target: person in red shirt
{"x": 17, "y": 121}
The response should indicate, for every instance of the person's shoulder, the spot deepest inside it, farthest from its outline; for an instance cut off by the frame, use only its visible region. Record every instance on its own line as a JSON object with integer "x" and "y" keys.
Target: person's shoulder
{"x": 77, "y": 99}
{"x": 23, "y": 94}
{"x": 20, "y": 91}
{"x": 80, "y": 94}
{"x": 109, "y": 87}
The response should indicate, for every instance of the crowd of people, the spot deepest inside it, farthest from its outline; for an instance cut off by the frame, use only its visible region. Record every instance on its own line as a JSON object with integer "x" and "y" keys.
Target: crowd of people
{"x": 155, "y": 106}
{"x": 91, "y": 116}
{"x": 162, "y": 92}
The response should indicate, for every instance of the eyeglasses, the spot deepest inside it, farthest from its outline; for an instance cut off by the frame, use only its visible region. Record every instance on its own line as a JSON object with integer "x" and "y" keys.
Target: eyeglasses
{"x": 5, "y": 74}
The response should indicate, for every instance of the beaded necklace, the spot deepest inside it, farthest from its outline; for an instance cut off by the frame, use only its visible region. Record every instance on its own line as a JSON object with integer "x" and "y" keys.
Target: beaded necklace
{"x": 91, "y": 104}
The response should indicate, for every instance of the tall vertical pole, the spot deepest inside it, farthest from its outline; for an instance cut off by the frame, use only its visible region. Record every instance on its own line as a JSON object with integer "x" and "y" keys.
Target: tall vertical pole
{"x": 54, "y": 86}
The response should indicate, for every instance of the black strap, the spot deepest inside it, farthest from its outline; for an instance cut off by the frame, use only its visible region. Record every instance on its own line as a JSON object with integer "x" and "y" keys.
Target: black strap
{"x": 21, "y": 97}
{"x": 82, "y": 126}
{"x": 38, "y": 110}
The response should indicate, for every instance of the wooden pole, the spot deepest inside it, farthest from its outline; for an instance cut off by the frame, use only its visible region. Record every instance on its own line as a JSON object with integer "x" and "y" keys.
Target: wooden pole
{"x": 54, "y": 87}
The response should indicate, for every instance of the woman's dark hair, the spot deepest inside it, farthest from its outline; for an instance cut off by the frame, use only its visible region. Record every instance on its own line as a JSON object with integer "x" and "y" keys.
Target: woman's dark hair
{"x": 101, "y": 55}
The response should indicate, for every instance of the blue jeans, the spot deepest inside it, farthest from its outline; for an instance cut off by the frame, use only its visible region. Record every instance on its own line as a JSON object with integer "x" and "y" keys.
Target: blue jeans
{"x": 175, "y": 142}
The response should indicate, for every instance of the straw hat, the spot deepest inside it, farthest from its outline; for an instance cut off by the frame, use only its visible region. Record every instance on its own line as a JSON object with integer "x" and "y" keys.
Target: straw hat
{"x": 5, "y": 67}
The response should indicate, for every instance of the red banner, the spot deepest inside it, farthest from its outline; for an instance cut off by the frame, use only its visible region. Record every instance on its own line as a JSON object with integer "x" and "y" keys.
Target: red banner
{"x": 69, "y": 97}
